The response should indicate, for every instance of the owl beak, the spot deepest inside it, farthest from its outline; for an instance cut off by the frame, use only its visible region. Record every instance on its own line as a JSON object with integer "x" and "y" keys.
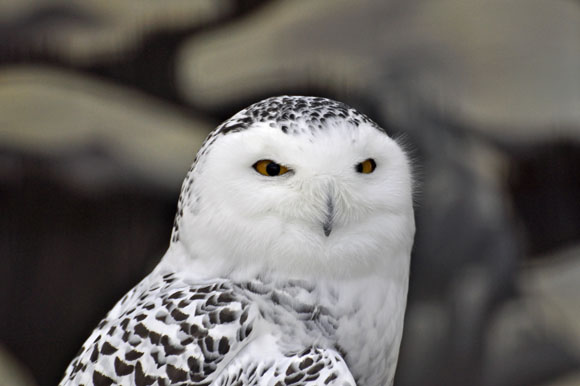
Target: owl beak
{"x": 327, "y": 224}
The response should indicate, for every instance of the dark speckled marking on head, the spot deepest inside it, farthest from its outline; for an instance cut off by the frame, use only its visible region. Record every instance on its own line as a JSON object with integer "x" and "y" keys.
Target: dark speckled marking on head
{"x": 282, "y": 113}
{"x": 282, "y": 110}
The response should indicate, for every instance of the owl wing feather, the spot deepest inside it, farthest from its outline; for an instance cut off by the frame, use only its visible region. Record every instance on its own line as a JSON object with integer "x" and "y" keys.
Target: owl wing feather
{"x": 168, "y": 331}
{"x": 313, "y": 366}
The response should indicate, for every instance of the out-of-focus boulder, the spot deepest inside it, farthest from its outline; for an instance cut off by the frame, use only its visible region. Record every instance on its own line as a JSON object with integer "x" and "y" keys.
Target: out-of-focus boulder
{"x": 12, "y": 373}
{"x": 506, "y": 68}
{"x": 100, "y": 134}
{"x": 539, "y": 331}
{"x": 84, "y": 31}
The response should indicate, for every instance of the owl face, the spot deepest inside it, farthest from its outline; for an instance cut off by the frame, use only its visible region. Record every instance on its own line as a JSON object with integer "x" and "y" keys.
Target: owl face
{"x": 300, "y": 197}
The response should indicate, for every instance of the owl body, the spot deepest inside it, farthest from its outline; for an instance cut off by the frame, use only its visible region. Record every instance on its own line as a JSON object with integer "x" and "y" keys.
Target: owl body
{"x": 288, "y": 263}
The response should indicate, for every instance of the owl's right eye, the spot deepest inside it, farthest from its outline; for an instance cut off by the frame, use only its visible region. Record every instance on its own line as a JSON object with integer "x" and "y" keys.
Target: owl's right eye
{"x": 270, "y": 168}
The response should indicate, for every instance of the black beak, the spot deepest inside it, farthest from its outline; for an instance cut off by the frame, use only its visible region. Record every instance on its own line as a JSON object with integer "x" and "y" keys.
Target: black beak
{"x": 327, "y": 225}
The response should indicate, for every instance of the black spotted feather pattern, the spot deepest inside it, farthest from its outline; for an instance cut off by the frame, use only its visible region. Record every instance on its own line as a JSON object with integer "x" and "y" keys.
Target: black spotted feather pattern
{"x": 167, "y": 331}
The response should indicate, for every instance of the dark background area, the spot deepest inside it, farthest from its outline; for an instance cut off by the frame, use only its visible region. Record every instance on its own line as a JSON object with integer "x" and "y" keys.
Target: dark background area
{"x": 103, "y": 106}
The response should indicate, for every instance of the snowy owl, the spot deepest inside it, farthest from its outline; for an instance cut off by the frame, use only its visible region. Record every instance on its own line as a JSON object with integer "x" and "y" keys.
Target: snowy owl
{"x": 288, "y": 262}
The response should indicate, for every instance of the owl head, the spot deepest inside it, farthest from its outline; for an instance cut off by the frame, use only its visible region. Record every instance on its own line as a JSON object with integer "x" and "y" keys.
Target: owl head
{"x": 296, "y": 187}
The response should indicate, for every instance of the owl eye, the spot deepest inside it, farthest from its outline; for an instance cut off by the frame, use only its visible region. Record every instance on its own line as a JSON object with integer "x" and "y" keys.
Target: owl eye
{"x": 270, "y": 168}
{"x": 366, "y": 167}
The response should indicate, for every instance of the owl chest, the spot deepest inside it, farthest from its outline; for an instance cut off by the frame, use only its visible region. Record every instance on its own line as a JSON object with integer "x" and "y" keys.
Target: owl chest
{"x": 319, "y": 316}
{"x": 362, "y": 321}
{"x": 295, "y": 316}
{"x": 370, "y": 329}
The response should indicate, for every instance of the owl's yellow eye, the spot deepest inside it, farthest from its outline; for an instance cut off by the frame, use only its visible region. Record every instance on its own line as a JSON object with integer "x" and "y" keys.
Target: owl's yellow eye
{"x": 270, "y": 168}
{"x": 366, "y": 167}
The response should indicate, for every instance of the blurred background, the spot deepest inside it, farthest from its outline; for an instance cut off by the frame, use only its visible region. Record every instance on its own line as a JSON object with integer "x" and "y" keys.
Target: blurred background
{"x": 103, "y": 105}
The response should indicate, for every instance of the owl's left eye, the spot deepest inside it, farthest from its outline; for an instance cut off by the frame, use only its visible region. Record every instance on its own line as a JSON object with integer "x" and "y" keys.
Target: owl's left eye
{"x": 270, "y": 168}
{"x": 367, "y": 166}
